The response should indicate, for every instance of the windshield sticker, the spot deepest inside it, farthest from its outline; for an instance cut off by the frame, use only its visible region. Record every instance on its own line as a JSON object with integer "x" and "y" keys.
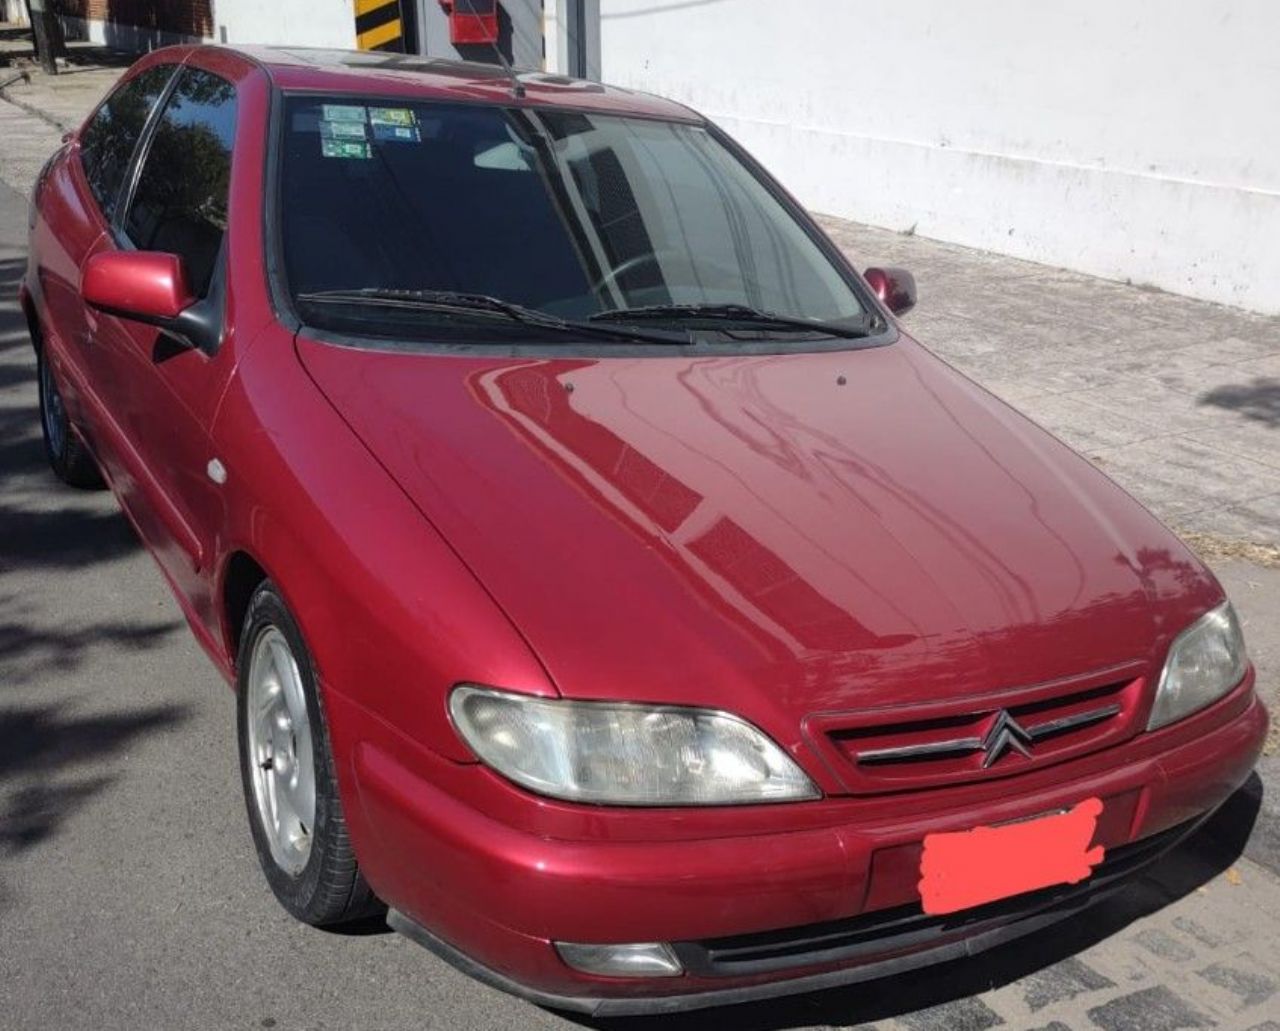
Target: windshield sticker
{"x": 345, "y": 149}
{"x": 393, "y": 116}
{"x": 343, "y": 130}
{"x": 397, "y": 133}
{"x": 342, "y": 112}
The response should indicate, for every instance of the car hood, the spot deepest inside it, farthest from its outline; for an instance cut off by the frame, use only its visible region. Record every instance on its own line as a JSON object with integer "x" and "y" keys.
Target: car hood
{"x": 772, "y": 534}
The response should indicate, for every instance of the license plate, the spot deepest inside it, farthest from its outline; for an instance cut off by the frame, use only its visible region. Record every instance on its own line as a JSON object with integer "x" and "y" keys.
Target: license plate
{"x": 963, "y": 869}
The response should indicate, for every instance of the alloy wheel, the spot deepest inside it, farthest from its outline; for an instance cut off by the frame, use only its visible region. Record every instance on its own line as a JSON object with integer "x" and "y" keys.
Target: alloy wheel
{"x": 281, "y": 751}
{"x": 52, "y": 411}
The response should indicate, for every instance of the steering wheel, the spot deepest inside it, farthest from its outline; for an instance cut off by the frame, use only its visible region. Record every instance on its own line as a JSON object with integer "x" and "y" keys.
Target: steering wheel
{"x": 652, "y": 258}
{"x": 638, "y": 261}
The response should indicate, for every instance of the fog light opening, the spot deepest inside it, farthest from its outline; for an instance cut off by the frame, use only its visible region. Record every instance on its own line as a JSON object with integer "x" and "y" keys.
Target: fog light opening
{"x": 641, "y": 959}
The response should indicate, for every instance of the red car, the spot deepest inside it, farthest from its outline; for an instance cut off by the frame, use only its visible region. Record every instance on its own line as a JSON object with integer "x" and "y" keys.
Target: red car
{"x": 612, "y": 589}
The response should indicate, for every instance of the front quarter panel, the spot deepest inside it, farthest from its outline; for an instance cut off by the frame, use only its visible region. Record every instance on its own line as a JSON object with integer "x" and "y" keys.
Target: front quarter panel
{"x": 392, "y": 616}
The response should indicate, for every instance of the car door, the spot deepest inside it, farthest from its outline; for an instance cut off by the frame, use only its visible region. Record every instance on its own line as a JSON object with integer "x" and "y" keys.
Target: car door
{"x": 75, "y": 204}
{"x": 165, "y": 392}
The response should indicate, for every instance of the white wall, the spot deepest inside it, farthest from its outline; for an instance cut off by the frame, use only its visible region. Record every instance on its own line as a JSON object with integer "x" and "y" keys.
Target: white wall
{"x": 1132, "y": 139}
{"x": 304, "y": 23}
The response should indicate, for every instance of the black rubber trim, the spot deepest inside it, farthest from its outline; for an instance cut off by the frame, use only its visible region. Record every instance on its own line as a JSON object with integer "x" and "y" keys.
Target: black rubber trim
{"x": 649, "y": 1005}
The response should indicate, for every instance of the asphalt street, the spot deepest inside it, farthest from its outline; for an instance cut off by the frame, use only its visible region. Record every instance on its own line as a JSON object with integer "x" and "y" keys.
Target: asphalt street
{"x": 130, "y": 896}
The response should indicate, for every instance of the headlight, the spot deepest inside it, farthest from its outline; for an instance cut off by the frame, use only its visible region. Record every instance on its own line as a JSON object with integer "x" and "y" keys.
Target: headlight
{"x": 620, "y": 754}
{"x": 1205, "y": 662}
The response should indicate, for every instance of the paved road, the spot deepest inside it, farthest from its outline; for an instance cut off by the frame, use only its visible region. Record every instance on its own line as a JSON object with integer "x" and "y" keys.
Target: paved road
{"x": 130, "y": 896}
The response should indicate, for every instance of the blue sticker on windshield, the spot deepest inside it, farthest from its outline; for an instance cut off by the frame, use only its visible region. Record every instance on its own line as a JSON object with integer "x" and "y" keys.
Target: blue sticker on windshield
{"x": 397, "y": 133}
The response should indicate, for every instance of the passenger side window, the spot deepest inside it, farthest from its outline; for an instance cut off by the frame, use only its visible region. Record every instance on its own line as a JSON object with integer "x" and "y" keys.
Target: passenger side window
{"x": 107, "y": 143}
{"x": 180, "y": 204}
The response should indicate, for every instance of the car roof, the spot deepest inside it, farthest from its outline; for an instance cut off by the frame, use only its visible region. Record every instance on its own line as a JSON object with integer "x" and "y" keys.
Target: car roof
{"x": 411, "y": 75}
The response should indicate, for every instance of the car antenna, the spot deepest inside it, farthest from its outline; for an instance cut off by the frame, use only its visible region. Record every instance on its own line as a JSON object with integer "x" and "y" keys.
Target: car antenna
{"x": 517, "y": 87}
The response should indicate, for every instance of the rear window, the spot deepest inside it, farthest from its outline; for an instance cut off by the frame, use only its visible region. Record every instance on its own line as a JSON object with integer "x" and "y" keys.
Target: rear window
{"x": 564, "y": 212}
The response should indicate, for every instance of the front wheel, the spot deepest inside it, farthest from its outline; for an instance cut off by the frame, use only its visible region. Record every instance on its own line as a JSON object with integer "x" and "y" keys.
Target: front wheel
{"x": 289, "y": 784}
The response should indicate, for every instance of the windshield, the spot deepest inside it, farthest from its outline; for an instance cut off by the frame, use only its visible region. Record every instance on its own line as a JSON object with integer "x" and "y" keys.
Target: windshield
{"x": 574, "y": 216}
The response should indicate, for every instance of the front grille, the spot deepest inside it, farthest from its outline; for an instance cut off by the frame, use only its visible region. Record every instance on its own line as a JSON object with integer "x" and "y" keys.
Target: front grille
{"x": 907, "y": 748}
{"x": 907, "y": 928}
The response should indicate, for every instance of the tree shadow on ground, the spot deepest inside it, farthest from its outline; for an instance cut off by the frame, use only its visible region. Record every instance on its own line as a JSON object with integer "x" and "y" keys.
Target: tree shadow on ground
{"x": 13, "y": 375}
{"x": 79, "y": 531}
{"x": 65, "y": 538}
{"x": 29, "y": 652}
{"x": 1258, "y": 401}
{"x": 1209, "y": 852}
{"x": 40, "y": 749}
{"x": 56, "y": 755}
{"x": 13, "y": 324}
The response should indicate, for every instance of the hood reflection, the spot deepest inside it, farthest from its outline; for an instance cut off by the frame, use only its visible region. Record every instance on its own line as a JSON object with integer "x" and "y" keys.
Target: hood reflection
{"x": 698, "y": 474}
{"x": 704, "y": 529}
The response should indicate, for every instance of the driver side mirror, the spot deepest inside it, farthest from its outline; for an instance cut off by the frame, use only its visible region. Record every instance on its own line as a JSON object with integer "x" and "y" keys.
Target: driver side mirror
{"x": 146, "y": 286}
{"x": 152, "y": 287}
{"x": 896, "y": 288}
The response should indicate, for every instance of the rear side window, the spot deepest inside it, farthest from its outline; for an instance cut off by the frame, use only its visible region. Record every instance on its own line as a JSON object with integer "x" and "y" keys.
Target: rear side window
{"x": 180, "y": 204}
{"x": 107, "y": 143}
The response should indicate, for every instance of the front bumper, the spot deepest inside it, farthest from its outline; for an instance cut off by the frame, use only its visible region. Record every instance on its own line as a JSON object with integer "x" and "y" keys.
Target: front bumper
{"x": 492, "y": 899}
{"x": 866, "y": 949}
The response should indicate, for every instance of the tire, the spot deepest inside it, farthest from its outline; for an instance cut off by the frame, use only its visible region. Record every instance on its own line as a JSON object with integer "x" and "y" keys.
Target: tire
{"x": 305, "y": 851}
{"x": 63, "y": 447}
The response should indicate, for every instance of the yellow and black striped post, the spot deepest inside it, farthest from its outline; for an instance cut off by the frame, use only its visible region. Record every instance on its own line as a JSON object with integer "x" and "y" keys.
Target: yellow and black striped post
{"x": 379, "y": 25}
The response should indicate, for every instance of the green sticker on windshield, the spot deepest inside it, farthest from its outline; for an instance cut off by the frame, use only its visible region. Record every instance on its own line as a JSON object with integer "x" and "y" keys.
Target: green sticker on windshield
{"x": 342, "y": 112}
{"x": 343, "y": 130}
{"x": 344, "y": 149}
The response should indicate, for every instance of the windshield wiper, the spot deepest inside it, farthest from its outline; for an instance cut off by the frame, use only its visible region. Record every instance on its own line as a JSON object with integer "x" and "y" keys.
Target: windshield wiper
{"x": 862, "y": 327}
{"x": 454, "y": 302}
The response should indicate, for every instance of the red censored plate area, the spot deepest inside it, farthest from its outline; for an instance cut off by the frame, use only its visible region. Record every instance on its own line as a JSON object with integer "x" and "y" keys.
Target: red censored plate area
{"x": 969, "y": 868}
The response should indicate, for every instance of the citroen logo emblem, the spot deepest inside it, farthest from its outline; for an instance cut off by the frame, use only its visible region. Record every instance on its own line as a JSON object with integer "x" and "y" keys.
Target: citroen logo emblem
{"x": 1005, "y": 734}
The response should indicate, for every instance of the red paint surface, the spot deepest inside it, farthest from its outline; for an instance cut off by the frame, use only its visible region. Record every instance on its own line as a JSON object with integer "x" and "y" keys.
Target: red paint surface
{"x": 959, "y": 871}
{"x": 730, "y": 531}
{"x": 148, "y": 283}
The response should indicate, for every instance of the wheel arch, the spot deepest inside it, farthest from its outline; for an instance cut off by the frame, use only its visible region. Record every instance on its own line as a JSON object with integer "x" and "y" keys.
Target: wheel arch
{"x": 28, "y": 305}
{"x": 242, "y": 575}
